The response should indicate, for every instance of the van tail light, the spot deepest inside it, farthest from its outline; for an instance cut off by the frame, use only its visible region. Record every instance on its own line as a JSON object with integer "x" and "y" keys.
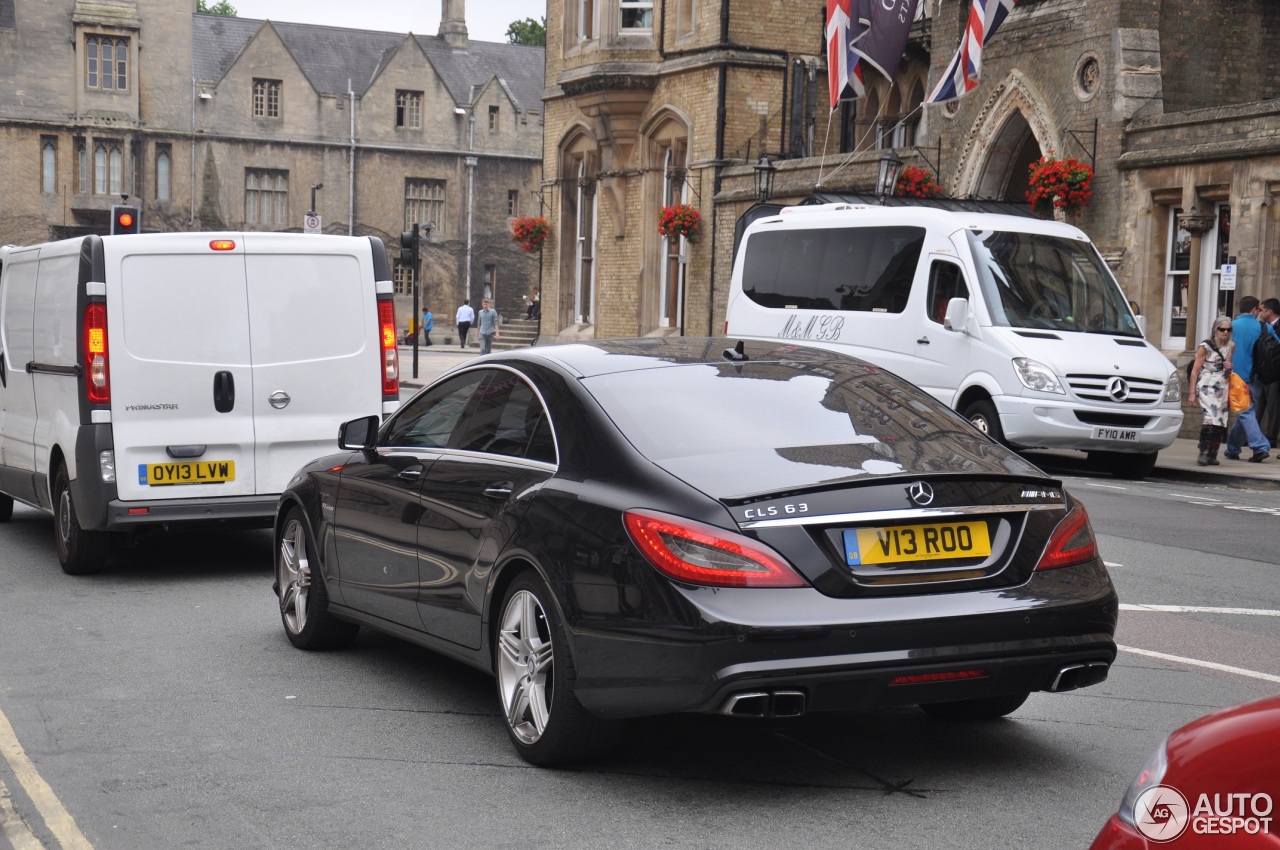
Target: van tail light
{"x": 390, "y": 354}
{"x": 696, "y": 553}
{"x": 1071, "y": 543}
{"x": 97, "y": 377}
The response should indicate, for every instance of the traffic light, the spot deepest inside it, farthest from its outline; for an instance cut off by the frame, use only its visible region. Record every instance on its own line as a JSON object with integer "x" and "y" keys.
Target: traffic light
{"x": 408, "y": 244}
{"x": 125, "y": 219}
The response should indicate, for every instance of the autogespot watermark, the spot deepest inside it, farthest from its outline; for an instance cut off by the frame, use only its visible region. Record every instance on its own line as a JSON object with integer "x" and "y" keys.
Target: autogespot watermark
{"x": 1162, "y": 814}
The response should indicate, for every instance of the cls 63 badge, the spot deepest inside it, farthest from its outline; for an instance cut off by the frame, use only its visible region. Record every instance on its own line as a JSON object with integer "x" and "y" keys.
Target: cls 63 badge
{"x": 771, "y": 511}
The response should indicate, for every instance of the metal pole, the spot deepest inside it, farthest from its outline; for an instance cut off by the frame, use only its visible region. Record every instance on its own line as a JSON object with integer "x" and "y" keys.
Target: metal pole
{"x": 417, "y": 315}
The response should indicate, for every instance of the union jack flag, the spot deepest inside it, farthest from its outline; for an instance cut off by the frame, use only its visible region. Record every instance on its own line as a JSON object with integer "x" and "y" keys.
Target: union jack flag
{"x": 962, "y": 75}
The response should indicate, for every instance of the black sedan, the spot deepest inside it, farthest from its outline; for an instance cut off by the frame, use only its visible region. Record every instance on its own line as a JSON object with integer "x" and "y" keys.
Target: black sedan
{"x": 639, "y": 527}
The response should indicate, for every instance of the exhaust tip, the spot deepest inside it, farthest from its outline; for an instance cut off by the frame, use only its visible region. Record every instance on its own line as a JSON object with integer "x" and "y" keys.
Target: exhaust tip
{"x": 765, "y": 704}
{"x": 751, "y": 704}
{"x": 788, "y": 703}
{"x": 1081, "y": 675}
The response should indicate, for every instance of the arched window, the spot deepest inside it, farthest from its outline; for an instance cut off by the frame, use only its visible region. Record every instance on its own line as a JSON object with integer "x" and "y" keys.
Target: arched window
{"x": 117, "y": 170}
{"x": 49, "y": 166}
{"x": 162, "y": 174}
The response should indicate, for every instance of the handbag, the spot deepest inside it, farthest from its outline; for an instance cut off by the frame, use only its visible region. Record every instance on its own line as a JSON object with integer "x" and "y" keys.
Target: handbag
{"x": 1237, "y": 394}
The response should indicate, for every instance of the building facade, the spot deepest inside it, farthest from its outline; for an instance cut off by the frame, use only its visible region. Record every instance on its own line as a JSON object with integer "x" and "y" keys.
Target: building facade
{"x": 650, "y": 104}
{"x": 221, "y": 123}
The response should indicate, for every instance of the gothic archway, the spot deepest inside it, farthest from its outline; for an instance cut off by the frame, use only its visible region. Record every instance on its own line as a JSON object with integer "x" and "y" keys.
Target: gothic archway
{"x": 1014, "y": 128}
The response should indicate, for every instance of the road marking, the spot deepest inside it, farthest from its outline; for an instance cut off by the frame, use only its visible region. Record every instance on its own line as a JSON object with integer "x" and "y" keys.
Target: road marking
{"x": 1196, "y": 662}
{"x": 56, "y": 817}
{"x": 1111, "y": 564}
{"x": 20, "y": 837}
{"x": 1106, "y": 486}
{"x": 1194, "y": 609}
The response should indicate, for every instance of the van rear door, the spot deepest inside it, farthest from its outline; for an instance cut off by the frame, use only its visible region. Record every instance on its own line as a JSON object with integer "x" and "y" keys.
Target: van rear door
{"x": 314, "y": 335}
{"x": 179, "y": 366}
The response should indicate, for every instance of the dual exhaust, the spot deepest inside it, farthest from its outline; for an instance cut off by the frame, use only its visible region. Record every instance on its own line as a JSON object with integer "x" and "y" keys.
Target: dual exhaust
{"x": 765, "y": 704}
{"x": 1080, "y": 675}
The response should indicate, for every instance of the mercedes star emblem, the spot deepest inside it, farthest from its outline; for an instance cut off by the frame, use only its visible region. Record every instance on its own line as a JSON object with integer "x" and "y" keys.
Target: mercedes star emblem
{"x": 1118, "y": 389}
{"x": 920, "y": 493}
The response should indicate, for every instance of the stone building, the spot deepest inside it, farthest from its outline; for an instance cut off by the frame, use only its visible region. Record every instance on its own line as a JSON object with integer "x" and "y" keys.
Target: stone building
{"x": 1174, "y": 104}
{"x": 212, "y": 123}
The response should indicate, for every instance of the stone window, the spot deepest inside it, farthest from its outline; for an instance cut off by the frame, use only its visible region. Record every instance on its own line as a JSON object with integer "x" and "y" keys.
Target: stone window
{"x": 493, "y": 119}
{"x": 164, "y": 166}
{"x": 585, "y": 20}
{"x": 636, "y": 14}
{"x": 106, "y": 63}
{"x": 6, "y": 15}
{"x": 82, "y": 167}
{"x": 108, "y": 168}
{"x": 684, "y": 18}
{"x": 48, "y": 164}
{"x": 266, "y": 98}
{"x": 424, "y": 202}
{"x": 266, "y": 196}
{"x": 409, "y": 109}
{"x": 402, "y": 277}
{"x": 513, "y": 203}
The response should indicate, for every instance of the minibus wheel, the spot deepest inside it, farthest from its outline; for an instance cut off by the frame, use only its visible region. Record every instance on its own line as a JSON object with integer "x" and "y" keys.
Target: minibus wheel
{"x": 982, "y": 415}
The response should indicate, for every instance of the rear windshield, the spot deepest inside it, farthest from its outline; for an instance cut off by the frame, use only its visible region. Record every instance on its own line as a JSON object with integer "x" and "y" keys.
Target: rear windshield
{"x": 839, "y": 268}
{"x": 737, "y": 410}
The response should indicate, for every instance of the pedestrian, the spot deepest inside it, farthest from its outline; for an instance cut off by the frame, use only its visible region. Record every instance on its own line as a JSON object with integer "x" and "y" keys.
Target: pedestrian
{"x": 1269, "y": 415}
{"x": 488, "y": 326}
{"x": 531, "y": 304}
{"x": 1245, "y": 330}
{"x": 1209, "y": 388}
{"x": 465, "y": 317}
{"x": 428, "y": 322}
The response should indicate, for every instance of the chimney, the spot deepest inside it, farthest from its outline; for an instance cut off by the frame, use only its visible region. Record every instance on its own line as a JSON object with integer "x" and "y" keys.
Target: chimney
{"x": 453, "y": 23}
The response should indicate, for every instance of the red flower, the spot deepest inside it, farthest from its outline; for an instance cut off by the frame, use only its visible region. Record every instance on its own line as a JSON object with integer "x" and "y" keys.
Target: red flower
{"x": 916, "y": 182}
{"x": 679, "y": 220}
{"x": 530, "y": 232}
{"x": 1059, "y": 184}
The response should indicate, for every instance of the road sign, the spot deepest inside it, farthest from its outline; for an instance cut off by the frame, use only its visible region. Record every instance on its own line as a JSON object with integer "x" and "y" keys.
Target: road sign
{"x": 311, "y": 223}
{"x": 1228, "y": 278}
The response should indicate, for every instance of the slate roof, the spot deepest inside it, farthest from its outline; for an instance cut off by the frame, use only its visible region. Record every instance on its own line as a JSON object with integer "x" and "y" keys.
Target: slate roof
{"x": 329, "y": 56}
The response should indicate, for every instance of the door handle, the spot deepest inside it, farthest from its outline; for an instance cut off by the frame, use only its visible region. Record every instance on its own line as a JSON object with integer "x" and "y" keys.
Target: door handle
{"x": 499, "y": 492}
{"x": 412, "y": 473}
{"x": 924, "y": 340}
{"x": 224, "y": 391}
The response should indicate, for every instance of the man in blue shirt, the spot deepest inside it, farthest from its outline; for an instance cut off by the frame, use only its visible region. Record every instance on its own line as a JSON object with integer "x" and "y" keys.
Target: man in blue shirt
{"x": 1245, "y": 330}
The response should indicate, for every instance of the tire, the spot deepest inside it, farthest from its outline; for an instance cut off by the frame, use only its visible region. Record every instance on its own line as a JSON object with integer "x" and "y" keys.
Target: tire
{"x": 988, "y": 708}
{"x": 6, "y": 508}
{"x": 983, "y": 416}
{"x": 1131, "y": 467}
{"x": 304, "y": 600}
{"x": 535, "y": 676}
{"x": 80, "y": 552}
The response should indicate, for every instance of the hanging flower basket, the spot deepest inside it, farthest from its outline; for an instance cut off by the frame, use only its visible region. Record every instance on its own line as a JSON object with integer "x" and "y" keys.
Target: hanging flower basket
{"x": 530, "y": 232}
{"x": 916, "y": 182}
{"x": 1059, "y": 184}
{"x": 680, "y": 220}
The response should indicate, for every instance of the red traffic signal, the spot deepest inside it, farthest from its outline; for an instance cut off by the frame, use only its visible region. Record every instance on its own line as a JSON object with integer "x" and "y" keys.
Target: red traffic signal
{"x": 125, "y": 219}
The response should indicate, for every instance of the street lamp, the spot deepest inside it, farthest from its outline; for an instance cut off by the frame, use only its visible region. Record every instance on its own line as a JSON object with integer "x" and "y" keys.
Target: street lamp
{"x": 315, "y": 187}
{"x": 764, "y": 177}
{"x": 890, "y": 166}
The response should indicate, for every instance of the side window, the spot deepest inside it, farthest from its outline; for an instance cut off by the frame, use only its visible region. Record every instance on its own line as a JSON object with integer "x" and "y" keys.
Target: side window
{"x": 508, "y": 419}
{"x": 430, "y": 419}
{"x": 946, "y": 281}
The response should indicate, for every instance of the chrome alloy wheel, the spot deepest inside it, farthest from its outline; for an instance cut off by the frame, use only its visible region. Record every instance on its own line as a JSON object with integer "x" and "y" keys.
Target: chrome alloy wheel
{"x": 525, "y": 669}
{"x": 293, "y": 572}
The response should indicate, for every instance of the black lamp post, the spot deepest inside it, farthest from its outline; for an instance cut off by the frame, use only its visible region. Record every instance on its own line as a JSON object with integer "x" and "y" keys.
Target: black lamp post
{"x": 890, "y": 167}
{"x": 764, "y": 177}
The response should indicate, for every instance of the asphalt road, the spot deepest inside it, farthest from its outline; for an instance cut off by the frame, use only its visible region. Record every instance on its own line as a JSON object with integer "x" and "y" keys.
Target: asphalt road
{"x": 160, "y": 706}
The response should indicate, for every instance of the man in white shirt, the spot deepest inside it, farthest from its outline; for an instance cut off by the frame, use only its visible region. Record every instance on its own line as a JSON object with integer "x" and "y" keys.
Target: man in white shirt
{"x": 465, "y": 317}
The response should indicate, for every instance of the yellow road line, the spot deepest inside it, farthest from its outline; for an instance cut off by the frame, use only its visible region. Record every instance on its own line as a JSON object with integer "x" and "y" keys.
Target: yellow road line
{"x": 19, "y": 835}
{"x": 56, "y": 817}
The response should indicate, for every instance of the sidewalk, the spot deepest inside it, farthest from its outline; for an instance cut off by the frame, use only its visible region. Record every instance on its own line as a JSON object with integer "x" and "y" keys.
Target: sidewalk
{"x": 1177, "y": 463}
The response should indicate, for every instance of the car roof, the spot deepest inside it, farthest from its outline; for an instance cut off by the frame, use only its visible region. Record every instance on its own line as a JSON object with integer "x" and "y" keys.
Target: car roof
{"x": 608, "y": 356}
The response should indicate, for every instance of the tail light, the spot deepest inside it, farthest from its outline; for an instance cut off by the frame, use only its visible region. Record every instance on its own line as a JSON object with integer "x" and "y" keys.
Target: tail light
{"x": 390, "y": 354}
{"x": 97, "y": 377}
{"x": 696, "y": 553}
{"x": 1071, "y": 543}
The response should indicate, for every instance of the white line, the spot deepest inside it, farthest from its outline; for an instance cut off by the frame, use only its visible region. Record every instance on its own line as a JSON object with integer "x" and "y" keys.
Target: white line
{"x": 1192, "y": 609}
{"x": 1111, "y": 564}
{"x": 55, "y": 815}
{"x": 19, "y": 835}
{"x": 1106, "y": 486}
{"x": 1195, "y": 662}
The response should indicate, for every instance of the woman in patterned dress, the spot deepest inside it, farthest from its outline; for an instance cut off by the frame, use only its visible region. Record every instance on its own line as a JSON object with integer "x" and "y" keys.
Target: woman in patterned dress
{"x": 1209, "y": 388}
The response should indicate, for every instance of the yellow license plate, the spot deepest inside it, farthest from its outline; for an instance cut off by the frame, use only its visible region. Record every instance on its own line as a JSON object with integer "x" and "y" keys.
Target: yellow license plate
{"x": 901, "y": 543}
{"x": 186, "y": 472}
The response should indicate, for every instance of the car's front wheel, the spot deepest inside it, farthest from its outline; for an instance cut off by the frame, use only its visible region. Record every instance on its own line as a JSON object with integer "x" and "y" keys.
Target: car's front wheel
{"x": 304, "y": 601}
{"x": 535, "y": 675}
{"x": 988, "y": 708}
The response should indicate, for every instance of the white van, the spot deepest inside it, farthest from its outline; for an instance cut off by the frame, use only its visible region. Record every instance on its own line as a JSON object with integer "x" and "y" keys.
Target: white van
{"x": 1015, "y": 322}
{"x": 182, "y": 378}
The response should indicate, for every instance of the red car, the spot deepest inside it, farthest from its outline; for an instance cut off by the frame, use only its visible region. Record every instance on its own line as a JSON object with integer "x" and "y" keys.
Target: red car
{"x": 1212, "y": 784}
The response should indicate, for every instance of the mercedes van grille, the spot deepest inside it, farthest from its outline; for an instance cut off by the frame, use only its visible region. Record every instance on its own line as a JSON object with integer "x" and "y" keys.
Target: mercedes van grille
{"x": 1116, "y": 389}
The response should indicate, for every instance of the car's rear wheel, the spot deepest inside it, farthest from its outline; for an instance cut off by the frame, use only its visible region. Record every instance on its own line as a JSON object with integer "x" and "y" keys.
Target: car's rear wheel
{"x": 535, "y": 676}
{"x": 304, "y": 601}
{"x": 987, "y": 708}
{"x": 80, "y": 552}
{"x": 983, "y": 416}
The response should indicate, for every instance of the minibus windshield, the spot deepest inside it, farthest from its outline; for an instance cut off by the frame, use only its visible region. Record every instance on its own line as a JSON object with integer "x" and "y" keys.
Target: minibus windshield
{"x": 1049, "y": 283}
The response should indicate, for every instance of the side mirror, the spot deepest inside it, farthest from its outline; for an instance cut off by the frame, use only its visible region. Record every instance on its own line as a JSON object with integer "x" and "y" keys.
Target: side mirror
{"x": 359, "y": 434}
{"x": 1142, "y": 325}
{"x": 957, "y": 317}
